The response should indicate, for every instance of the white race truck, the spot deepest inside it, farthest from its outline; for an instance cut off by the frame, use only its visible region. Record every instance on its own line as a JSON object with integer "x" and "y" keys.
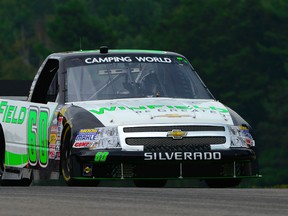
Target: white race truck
{"x": 122, "y": 114}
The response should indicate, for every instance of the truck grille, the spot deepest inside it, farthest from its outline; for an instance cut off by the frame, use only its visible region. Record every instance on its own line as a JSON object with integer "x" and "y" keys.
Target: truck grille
{"x": 169, "y": 141}
{"x": 159, "y": 138}
{"x": 178, "y": 127}
{"x": 177, "y": 148}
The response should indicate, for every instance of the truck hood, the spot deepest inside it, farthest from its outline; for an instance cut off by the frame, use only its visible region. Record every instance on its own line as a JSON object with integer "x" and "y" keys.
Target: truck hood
{"x": 138, "y": 111}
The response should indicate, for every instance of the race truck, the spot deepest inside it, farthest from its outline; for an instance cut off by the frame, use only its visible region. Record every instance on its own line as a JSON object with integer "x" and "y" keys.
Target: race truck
{"x": 139, "y": 115}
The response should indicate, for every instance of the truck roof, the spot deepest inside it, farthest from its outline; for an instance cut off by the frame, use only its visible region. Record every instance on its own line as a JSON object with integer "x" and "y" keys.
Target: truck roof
{"x": 71, "y": 54}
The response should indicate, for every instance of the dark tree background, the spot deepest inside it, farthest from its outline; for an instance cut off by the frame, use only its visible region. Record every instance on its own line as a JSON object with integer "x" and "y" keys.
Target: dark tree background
{"x": 238, "y": 47}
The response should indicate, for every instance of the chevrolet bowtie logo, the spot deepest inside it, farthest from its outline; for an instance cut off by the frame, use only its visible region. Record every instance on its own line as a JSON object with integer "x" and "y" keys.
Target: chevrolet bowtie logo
{"x": 176, "y": 134}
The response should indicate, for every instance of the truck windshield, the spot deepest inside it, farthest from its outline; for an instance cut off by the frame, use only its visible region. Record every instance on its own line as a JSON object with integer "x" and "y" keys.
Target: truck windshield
{"x": 132, "y": 76}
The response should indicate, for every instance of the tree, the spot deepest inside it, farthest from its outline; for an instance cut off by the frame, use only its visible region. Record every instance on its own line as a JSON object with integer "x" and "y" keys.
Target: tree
{"x": 73, "y": 27}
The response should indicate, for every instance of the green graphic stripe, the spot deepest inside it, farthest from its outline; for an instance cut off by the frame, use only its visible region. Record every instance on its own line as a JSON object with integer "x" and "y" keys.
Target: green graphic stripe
{"x": 12, "y": 159}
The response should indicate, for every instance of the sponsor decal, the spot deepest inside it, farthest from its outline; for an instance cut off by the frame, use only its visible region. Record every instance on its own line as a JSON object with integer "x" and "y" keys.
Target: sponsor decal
{"x": 172, "y": 116}
{"x": 182, "y": 156}
{"x": 59, "y": 127}
{"x": 88, "y": 134}
{"x": 176, "y": 134}
{"x": 101, "y": 156}
{"x": 87, "y": 170}
{"x": 52, "y": 150}
{"x": 57, "y": 156}
{"x": 83, "y": 131}
{"x": 86, "y": 137}
{"x": 153, "y": 59}
{"x": 53, "y": 138}
{"x": 59, "y": 121}
{"x": 96, "y": 145}
{"x": 52, "y": 154}
{"x": 118, "y": 59}
{"x": 54, "y": 129}
{"x": 160, "y": 108}
{"x": 12, "y": 114}
{"x": 81, "y": 145}
{"x": 57, "y": 146}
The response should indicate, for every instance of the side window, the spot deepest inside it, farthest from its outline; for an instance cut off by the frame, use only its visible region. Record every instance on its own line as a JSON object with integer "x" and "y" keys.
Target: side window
{"x": 45, "y": 87}
{"x": 53, "y": 89}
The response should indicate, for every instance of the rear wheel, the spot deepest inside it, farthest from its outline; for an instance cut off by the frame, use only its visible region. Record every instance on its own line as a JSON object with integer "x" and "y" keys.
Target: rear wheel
{"x": 223, "y": 183}
{"x": 150, "y": 183}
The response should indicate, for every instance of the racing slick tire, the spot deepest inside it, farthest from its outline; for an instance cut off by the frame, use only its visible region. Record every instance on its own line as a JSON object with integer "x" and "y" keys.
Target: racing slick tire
{"x": 70, "y": 167}
{"x": 150, "y": 183}
{"x": 8, "y": 182}
{"x": 223, "y": 183}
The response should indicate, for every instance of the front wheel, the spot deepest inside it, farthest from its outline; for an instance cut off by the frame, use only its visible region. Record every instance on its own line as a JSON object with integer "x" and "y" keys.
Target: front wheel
{"x": 70, "y": 167}
{"x": 66, "y": 158}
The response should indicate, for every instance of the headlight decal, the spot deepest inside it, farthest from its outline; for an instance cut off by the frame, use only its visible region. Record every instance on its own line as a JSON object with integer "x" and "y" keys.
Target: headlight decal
{"x": 241, "y": 137}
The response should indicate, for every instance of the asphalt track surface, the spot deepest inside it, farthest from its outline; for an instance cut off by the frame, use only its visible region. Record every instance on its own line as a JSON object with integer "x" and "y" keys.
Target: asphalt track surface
{"x": 63, "y": 200}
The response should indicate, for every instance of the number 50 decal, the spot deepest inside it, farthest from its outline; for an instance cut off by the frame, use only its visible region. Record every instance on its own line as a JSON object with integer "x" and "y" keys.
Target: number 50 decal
{"x": 37, "y": 136}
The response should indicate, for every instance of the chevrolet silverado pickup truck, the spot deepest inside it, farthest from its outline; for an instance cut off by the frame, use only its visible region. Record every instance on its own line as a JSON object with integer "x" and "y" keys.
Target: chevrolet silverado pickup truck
{"x": 140, "y": 115}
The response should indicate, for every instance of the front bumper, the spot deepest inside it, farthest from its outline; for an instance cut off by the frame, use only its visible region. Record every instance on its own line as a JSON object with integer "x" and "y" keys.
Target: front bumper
{"x": 104, "y": 164}
{"x": 116, "y": 156}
